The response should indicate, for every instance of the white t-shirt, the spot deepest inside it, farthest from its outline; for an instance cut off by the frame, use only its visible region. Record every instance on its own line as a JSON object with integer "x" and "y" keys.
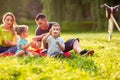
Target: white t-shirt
{"x": 52, "y": 46}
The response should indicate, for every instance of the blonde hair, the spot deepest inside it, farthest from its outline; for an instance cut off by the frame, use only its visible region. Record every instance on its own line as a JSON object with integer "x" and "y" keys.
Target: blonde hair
{"x": 14, "y": 21}
{"x": 56, "y": 25}
{"x": 9, "y": 14}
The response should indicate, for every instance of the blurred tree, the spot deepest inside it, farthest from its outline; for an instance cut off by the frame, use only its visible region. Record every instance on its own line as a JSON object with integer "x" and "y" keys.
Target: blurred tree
{"x": 33, "y": 8}
{"x": 78, "y": 14}
{"x": 23, "y": 9}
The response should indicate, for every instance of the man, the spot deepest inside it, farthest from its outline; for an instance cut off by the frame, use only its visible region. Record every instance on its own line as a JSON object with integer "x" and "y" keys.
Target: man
{"x": 44, "y": 27}
{"x": 111, "y": 14}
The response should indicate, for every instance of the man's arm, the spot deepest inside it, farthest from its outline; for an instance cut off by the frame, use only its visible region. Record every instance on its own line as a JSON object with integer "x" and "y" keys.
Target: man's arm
{"x": 39, "y": 37}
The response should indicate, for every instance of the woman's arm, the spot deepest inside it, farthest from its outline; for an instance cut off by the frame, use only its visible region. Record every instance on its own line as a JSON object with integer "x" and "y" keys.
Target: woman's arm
{"x": 9, "y": 43}
{"x": 13, "y": 42}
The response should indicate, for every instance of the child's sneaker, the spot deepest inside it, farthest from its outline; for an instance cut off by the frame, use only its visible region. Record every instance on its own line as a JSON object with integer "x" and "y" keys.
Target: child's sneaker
{"x": 54, "y": 54}
{"x": 87, "y": 52}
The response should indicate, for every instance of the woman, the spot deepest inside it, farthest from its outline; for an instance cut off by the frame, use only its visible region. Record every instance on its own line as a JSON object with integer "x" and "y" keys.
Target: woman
{"x": 8, "y": 37}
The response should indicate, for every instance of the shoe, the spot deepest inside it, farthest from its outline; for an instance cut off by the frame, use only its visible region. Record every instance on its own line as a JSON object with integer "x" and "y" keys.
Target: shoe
{"x": 44, "y": 51}
{"x": 83, "y": 52}
{"x": 90, "y": 52}
{"x": 87, "y": 52}
{"x": 77, "y": 39}
{"x": 56, "y": 54}
{"x": 53, "y": 54}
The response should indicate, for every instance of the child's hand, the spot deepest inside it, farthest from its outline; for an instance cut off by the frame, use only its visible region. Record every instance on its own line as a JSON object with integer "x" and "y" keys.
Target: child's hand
{"x": 57, "y": 42}
{"x": 60, "y": 46}
{"x": 32, "y": 42}
{"x": 35, "y": 44}
{"x": 35, "y": 38}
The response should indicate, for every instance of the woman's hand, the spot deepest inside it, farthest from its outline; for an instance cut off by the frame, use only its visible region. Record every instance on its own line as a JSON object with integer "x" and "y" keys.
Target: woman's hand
{"x": 9, "y": 43}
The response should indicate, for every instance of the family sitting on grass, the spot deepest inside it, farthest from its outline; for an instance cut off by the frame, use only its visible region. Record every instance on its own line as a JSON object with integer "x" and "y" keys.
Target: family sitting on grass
{"x": 13, "y": 39}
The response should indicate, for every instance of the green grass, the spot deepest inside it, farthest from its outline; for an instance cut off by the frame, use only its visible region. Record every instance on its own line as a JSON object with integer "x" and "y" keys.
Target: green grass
{"x": 103, "y": 65}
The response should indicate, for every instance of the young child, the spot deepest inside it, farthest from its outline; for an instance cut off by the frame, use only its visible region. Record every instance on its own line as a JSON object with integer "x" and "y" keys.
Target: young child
{"x": 22, "y": 44}
{"x": 56, "y": 44}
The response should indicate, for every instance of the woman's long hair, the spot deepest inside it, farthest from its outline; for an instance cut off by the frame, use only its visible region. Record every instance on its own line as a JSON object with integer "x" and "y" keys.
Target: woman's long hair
{"x": 14, "y": 21}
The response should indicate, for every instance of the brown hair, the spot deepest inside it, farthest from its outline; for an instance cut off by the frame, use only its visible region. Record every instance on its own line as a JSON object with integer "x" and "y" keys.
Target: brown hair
{"x": 40, "y": 16}
{"x": 21, "y": 28}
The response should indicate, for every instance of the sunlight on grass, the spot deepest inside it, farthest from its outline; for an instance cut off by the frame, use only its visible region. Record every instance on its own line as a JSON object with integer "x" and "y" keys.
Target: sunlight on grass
{"x": 103, "y": 65}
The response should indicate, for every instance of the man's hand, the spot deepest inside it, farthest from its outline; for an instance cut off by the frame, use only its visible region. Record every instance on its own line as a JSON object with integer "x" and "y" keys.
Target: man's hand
{"x": 36, "y": 38}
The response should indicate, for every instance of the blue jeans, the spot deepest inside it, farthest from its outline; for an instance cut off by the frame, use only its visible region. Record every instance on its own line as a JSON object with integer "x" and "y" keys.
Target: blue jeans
{"x": 8, "y": 49}
{"x": 54, "y": 54}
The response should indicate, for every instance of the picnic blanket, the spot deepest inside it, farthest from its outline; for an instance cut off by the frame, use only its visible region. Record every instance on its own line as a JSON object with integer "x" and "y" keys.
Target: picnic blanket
{"x": 37, "y": 51}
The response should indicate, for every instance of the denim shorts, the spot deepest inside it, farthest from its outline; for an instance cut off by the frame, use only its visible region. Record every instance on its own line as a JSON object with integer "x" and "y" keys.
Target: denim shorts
{"x": 69, "y": 44}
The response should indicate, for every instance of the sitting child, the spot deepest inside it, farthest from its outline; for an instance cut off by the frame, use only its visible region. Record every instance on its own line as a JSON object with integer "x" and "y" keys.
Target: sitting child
{"x": 22, "y": 44}
{"x": 56, "y": 44}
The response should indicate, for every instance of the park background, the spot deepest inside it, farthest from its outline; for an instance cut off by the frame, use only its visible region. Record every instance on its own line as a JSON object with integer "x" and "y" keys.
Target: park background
{"x": 78, "y": 18}
{"x": 73, "y": 15}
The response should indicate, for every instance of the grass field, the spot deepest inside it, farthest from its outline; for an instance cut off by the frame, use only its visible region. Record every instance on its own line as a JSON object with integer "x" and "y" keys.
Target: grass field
{"x": 103, "y": 65}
